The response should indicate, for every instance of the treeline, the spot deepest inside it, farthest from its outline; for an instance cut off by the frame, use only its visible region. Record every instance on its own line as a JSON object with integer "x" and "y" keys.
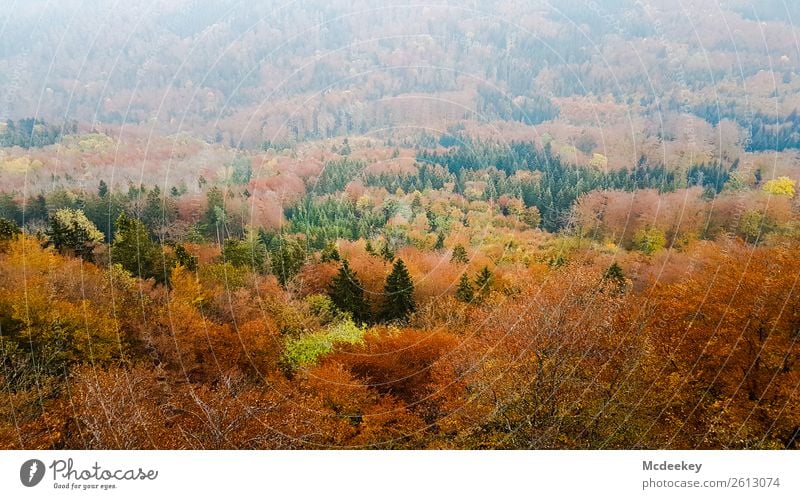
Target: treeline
{"x": 558, "y": 183}
{"x": 493, "y": 104}
{"x": 32, "y": 132}
{"x": 766, "y": 132}
{"x": 276, "y": 368}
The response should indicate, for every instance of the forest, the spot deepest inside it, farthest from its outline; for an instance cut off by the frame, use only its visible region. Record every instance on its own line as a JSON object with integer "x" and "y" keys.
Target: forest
{"x": 329, "y": 225}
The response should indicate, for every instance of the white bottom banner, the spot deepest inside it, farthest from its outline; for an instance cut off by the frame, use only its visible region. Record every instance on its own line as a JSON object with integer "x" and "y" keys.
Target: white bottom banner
{"x": 333, "y": 474}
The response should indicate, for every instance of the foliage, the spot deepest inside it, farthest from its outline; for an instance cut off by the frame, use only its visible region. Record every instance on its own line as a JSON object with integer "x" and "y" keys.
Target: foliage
{"x": 8, "y": 229}
{"x": 347, "y": 293}
{"x": 398, "y": 293}
{"x": 72, "y": 232}
{"x": 483, "y": 281}
{"x": 136, "y": 252}
{"x": 781, "y": 186}
{"x": 307, "y": 349}
{"x": 649, "y": 240}
{"x": 465, "y": 293}
{"x": 249, "y": 252}
{"x": 459, "y": 254}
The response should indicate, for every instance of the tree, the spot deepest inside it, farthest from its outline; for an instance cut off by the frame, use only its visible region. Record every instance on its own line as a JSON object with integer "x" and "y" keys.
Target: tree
{"x": 483, "y": 280}
{"x": 459, "y": 254}
{"x": 247, "y": 253}
{"x": 649, "y": 240}
{"x": 242, "y": 170}
{"x": 136, "y": 252}
{"x": 753, "y": 225}
{"x": 70, "y": 231}
{"x": 287, "y": 256}
{"x": 9, "y": 208}
{"x": 330, "y": 253}
{"x": 386, "y": 252}
{"x": 439, "y": 241}
{"x": 102, "y": 189}
{"x": 347, "y": 293}
{"x": 8, "y": 229}
{"x": 464, "y": 292}
{"x": 781, "y": 186}
{"x": 185, "y": 259}
{"x": 615, "y": 276}
{"x": 532, "y": 217}
{"x": 214, "y": 216}
{"x": 399, "y": 290}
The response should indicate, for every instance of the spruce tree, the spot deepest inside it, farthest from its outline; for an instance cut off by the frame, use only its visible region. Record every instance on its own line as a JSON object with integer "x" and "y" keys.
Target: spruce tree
{"x": 464, "y": 292}
{"x": 136, "y": 252}
{"x": 399, "y": 290}
{"x": 459, "y": 254}
{"x": 439, "y": 241}
{"x": 483, "y": 280}
{"x": 386, "y": 252}
{"x": 330, "y": 253}
{"x": 615, "y": 276}
{"x": 347, "y": 293}
{"x": 185, "y": 259}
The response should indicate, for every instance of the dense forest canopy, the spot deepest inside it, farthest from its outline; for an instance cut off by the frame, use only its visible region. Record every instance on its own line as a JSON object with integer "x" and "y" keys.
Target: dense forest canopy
{"x": 369, "y": 224}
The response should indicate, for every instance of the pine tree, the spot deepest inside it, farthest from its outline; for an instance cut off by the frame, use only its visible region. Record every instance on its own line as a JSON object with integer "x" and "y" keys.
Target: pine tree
{"x": 386, "y": 252}
{"x": 330, "y": 253}
{"x": 483, "y": 280}
{"x": 459, "y": 254}
{"x": 369, "y": 249}
{"x": 399, "y": 290}
{"x": 464, "y": 292}
{"x": 347, "y": 293}
{"x": 439, "y": 241}
{"x": 184, "y": 258}
{"x": 102, "y": 189}
{"x": 615, "y": 276}
{"x": 136, "y": 252}
{"x": 287, "y": 257}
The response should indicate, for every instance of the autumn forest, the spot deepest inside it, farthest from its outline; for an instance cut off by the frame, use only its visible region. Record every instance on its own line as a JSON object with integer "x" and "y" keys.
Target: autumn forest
{"x": 356, "y": 224}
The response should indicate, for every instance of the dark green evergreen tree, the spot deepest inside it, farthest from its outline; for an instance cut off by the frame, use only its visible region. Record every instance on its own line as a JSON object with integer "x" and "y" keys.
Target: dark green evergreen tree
{"x": 136, "y": 252}
{"x": 102, "y": 189}
{"x": 184, "y": 258}
{"x": 287, "y": 256}
{"x": 214, "y": 216}
{"x": 399, "y": 291}
{"x": 483, "y": 280}
{"x": 347, "y": 293}
{"x": 386, "y": 252}
{"x": 330, "y": 253}
{"x": 439, "y": 241}
{"x": 36, "y": 209}
{"x": 248, "y": 253}
{"x": 459, "y": 254}
{"x": 615, "y": 276}
{"x": 464, "y": 292}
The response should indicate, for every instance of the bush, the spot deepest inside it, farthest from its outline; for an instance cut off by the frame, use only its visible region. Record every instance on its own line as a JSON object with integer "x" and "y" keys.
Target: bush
{"x": 307, "y": 349}
{"x": 649, "y": 240}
